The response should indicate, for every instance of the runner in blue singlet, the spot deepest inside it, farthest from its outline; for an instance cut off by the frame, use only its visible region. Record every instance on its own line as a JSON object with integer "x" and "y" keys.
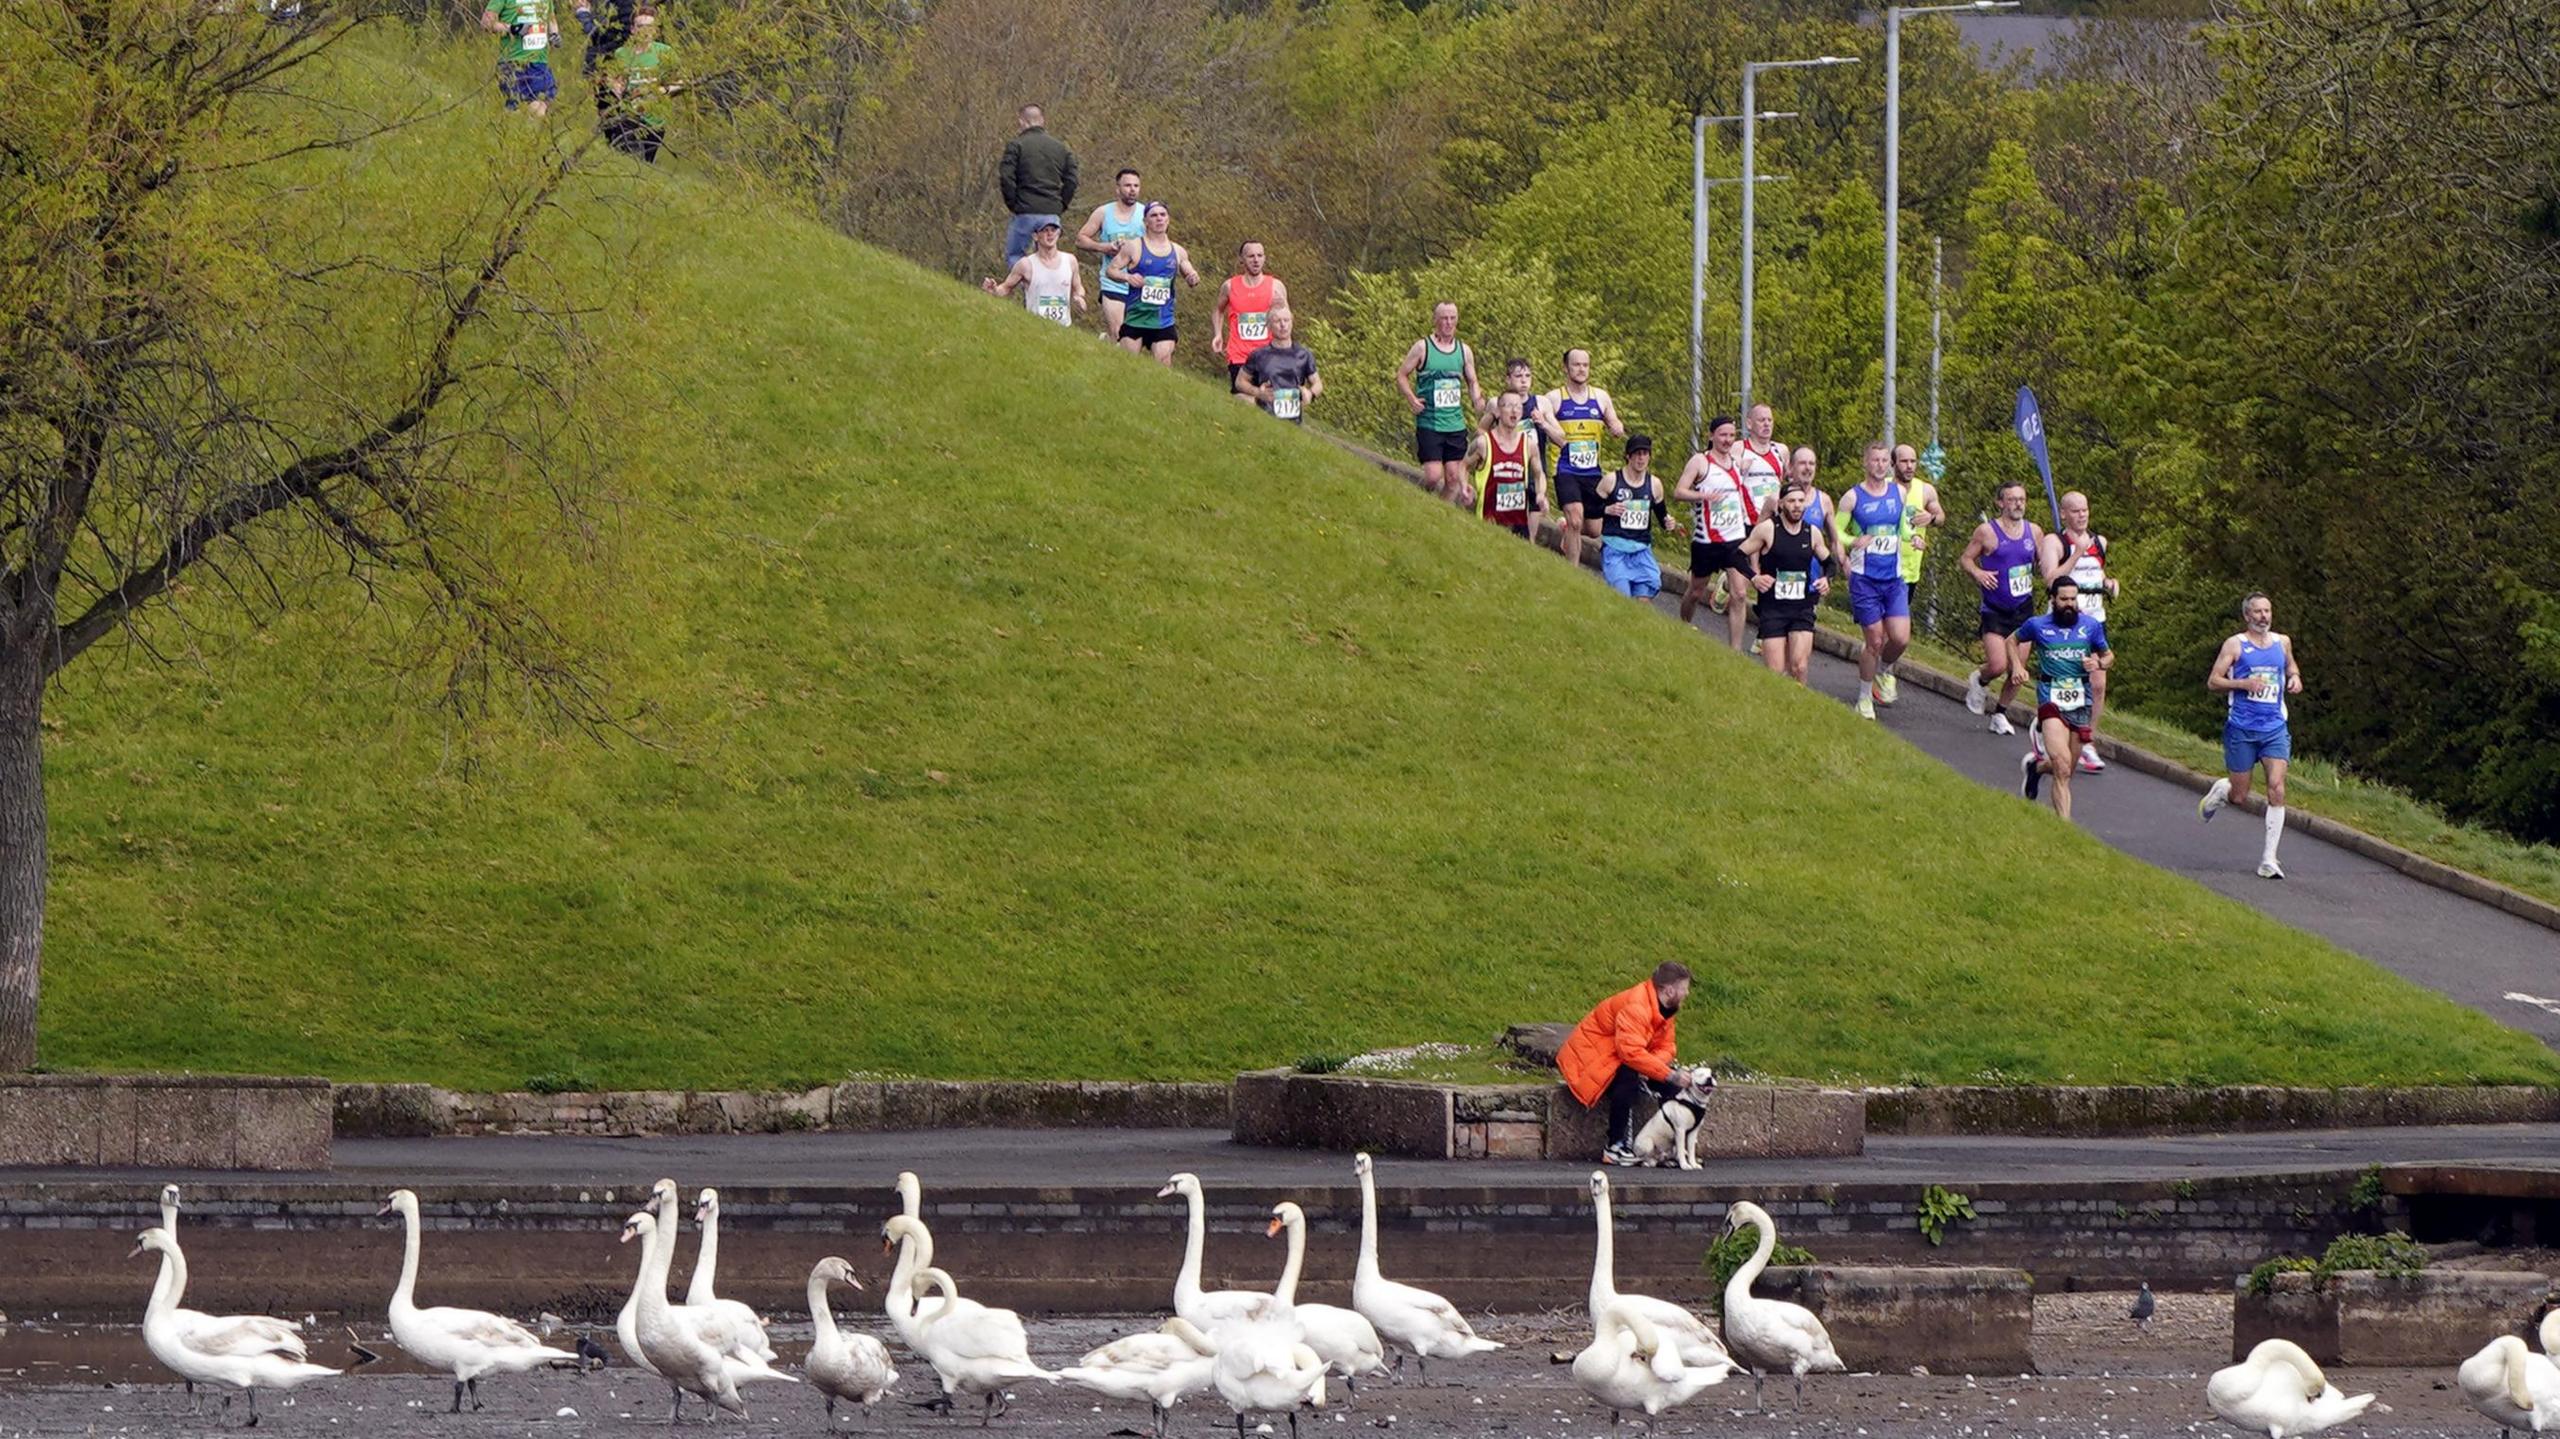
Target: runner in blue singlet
{"x": 1111, "y": 225}
{"x": 2254, "y": 673}
{"x": 1879, "y": 600}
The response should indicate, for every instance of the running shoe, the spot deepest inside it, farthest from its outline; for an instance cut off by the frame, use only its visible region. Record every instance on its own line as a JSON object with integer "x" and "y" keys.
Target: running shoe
{"x": 1755, "y": 647}
{"x": 1976, "y": 698}
{"x": 1866, "y": 707}
{"x": 1619, "y": 1155}
{"x": 2270, "y": 870}
{"x": 2000, "y": 724}
{"x": 1886, "y": 690}
{"x": 2089, "y": 761}
{"x": 2213, "y": 801}
{"x": 2029, "y": 777}
{"x": 1716, "y": 599}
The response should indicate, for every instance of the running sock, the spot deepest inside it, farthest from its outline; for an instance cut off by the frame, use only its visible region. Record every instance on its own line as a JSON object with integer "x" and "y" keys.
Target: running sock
{"x": 2275, "y": 832}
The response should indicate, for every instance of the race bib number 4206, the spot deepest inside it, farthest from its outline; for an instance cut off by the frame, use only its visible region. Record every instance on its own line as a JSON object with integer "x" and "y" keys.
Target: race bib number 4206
{"x": 1445, "y": 391}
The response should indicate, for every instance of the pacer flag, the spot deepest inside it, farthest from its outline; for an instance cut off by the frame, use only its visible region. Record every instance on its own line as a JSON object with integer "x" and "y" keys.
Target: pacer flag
{"x": 2031, "y": 434}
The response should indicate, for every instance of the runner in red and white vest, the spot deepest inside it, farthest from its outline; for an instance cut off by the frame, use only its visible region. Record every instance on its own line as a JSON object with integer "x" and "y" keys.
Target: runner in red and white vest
{"x": 2081, "y": 553}
{"x": 1514, "y": 488}
{"x": 1715, "y": 481}
{"x": 1245, "y": 306}
{"x": 1764, "y": 460}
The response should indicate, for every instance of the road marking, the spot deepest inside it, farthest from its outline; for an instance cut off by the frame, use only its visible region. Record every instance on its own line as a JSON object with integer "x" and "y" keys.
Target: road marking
{"x": 2551, "y": 1006}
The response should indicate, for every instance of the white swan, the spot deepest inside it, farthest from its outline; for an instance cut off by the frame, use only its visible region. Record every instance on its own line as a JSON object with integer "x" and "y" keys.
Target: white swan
{"x": 1631, "y": 1364}
{"x": 741, "y": 1343}
{"x": 698, "y": 1295}
{"x": 855, "y": 1367}
{"x": 1263, "y": 1366}
{"x": 1206, "y": 1309}
{"x": 626, "y": 1330}
{"x": 2513, "y": 1385}
{"x": 677, "y": 1352}
{"x": 1418, "y": 1319}
{"x": 244, "y": 1351}
{"x": 1160, "y": 1366}
{"x": 465, "y": 1343}
{"x": 973, "y": 1349}
{"x": 2277, "y": 1390}
{"x": 1346, "y": 1342}
{"x": 1771, "y": 1333}
{"x": 1693, "y": 1337}
{"x": 286, "y": 1337}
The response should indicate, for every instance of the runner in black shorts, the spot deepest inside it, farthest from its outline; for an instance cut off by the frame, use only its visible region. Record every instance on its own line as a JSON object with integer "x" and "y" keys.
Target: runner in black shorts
{"x": 1779, "y": 556}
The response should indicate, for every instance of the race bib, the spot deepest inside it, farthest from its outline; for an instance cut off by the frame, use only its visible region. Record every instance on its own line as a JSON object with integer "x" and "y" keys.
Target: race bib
{"x": 1445, "y": 391}
{"x": 1582, "y": 454}
{"x": 2093, "y": 603}
{"x": 1638, "y": 513}
{"x": 2264, "y": 686}
{"x": 1255, "y": 326}
{"x": 2067, "y": 694}
{"x": 1511, "y": 497}
{"x": 1724, "y": 513}
{"x": 1790, "y": 585}
{"x": 1053, "y": 308}
{"x": 1286, "y": 404}
{"x": 2022, "y": 578}
{"x": 1155, "y": 290}
{"x": 536, "y": 37}
{"x": 1884, "y": 546}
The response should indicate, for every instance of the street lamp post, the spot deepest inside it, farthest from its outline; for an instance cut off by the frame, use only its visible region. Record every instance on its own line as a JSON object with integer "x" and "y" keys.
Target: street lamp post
{"x": 1706, "y": 264}
{"x": 1750, "y": 92}
{"x": 1699, "y": 225}
{"x": 1893, "y": 174}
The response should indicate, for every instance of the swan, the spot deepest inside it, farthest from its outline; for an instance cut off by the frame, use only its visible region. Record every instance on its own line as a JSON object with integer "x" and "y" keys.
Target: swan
{"x": 698, "y": 1295}
{"x": 678, "y": 1352}
{"x": 2279, "y": 1390}
{"x": 1264, "y": 1365}
{"x": 1692, "y": 1336}
{"x": 465, "y": 1343}
{"x": 743, "y": 1345}
{"x": 286, "y": 1337}
{"x": 626, "y": 1324}
{"x": 1160, "y": 1366}
{"x": 841, "y": 1365}
{"x": 243, "y": 1351}
{"x": 1631, "y": 1364}
{"x": 1347, "y": 1343}
{"x": 910, "y": 1194}
{"x": 1206, "y": 1308}
{"x": 2513, "y": 1385}
{"x": 1418, "y": 1319}
{"x": 972, "y": 1348}
{"x": 1771, "y": 1333}
{"x": 2550, "y": 1335}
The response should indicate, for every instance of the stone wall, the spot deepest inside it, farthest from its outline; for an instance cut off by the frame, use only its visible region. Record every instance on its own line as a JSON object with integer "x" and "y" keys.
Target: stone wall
{"x": 2104, "y": 1110}
{"x": 1954, "y": 1321}
{"x": 164, "y": 1122}
{"x": 1417, "y": 1120}
{"x": 403, "y": 1111}
{"x": 2434, "y": 1317}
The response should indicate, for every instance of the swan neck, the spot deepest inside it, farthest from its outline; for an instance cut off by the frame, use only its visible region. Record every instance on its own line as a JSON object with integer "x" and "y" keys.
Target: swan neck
{"x": 1740, "y": 1283}
{"x": 1196, "y": 1241}
{"x": 1368, "y": 1226}
{"x": 900, "y": 1302}
{"x": 170, "y": 1286}
{"x": 655, "y": 1261}
{"x": 405, "y": 1297}
{"x": 1287, "y": 1291}
{"x": 822, "y": 1315}
{"x": 1604, "y": 1259}
{"x": 706, "y": 1260}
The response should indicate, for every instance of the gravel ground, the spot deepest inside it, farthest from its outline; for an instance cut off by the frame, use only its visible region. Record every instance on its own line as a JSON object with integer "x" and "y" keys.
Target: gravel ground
{"x": 2101, "y": 1380}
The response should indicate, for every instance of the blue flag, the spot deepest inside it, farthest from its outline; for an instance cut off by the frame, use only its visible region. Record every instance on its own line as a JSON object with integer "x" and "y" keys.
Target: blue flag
{"x": 2031, "y": 434}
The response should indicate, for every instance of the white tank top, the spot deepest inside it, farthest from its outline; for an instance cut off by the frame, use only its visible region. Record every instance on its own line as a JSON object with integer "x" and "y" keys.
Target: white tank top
{"x": 1052, "y": 288}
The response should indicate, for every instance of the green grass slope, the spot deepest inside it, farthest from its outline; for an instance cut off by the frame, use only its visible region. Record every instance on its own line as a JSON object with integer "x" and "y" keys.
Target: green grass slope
{"x": 1014, "y": 708}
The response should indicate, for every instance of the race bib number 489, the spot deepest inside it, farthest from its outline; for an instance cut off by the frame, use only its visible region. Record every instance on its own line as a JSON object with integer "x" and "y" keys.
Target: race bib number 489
{"x": 2068, "y": 694}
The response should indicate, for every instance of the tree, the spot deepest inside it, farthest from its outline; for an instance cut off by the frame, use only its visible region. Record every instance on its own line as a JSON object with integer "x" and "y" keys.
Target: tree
{"x": 208, "y": 394}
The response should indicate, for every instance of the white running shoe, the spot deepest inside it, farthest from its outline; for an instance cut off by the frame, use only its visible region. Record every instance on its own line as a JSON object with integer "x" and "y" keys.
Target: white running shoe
{"x": 1755, "y": 647}
{"x": 2213, "y": 801}
{"x": 1887, "y": 692}
{"x": 1976, "y": 698}
{"x": 2270, "y": 870}
{"x": 2089, "y": 761}
{"x": 2000, "y": 724}
{"x": 1866, "y": 706}
{"x": 2028, "y": 775}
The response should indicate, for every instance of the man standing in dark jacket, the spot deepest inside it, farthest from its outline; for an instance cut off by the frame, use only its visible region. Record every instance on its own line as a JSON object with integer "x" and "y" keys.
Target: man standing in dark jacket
{"x": 1039, "y": 181}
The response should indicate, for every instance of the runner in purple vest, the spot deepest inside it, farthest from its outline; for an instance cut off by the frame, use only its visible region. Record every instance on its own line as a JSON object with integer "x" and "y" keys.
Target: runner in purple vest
{"x": 2001, "y": 558}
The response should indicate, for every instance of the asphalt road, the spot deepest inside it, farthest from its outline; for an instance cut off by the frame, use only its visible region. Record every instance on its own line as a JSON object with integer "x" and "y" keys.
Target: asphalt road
{"x": 2470, "y": 952}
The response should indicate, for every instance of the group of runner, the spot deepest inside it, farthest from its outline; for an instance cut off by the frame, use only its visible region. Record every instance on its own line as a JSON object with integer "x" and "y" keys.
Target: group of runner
{"x": 1764, "y": 541}
{"x": 1139, "y": 262}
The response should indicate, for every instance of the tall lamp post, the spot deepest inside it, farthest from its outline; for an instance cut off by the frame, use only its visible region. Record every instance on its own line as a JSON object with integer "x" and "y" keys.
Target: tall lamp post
{"x": 1706, "y": 262}
{"x": 1893, "y": 174}
{"x": 1699, "y": 224}
{"x": 1750, "y": 93}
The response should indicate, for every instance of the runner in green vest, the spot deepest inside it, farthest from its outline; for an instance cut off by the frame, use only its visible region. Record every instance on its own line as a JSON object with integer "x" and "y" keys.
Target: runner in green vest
{"x": 1449, "y": 393}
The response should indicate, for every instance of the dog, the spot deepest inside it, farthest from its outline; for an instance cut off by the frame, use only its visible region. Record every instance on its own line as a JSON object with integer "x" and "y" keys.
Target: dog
{"x": 1670, "y": 1138}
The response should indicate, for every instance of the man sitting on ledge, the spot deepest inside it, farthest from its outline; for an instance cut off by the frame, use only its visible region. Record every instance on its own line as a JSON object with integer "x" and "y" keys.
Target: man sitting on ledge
{"x": 1623, "y": 1047}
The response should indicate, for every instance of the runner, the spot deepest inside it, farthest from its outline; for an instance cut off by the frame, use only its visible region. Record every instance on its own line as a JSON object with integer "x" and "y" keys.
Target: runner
{"x": 1246, "y": 300}
{"x": 527, "y": 31}
{"x": 1447, "y": 366}
{"x": 2067, "y": 649}
{"x": 1921, "y": 514}
{"x": 1764, "y": 464}
{"x": 2000, "y": 559}
{"x": 637, "y": 79}
{"x": 2255, "y": 673}
{"x": 1805, "y": 466}
{"x": 2075, "y": 551}
{"x": 1785, "y": 554}
{"x": 1514, "y": 487}
{"x": 1281, "y": 377}
{"x": 1519, "y": 379}
{"x": 1581, "y": 415}
{"x": 1147, "y": 265}
{"x": 1052, "y": 284}
{"x": 1111, "y": 225}
{"x": 1726, "y": 509}
{"x": 1871, "y": 515}
{"x": 1630, "y": 503}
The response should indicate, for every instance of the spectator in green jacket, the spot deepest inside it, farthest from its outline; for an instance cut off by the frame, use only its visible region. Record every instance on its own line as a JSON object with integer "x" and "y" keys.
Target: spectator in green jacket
{"x": 1039, "y": 180}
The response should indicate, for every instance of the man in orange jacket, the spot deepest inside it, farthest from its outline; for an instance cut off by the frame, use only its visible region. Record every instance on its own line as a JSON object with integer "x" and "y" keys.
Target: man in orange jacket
{"x": 1623, "y": 1047}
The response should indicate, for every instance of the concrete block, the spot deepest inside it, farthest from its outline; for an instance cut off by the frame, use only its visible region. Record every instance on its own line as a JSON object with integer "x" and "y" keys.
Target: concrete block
{"x": 1515, "y": 1141}
{"x": 2431, "y": 1318}
{"x": 281, "y": 1129}
{"x": 43, "y": 1121}
{"x": 643, "y": 1111}
{"x": 856, "y": 1105}
{"x": 1283, "y": 1109}
{"x": 386, "y": 1111}
{"x": 1885, "y": 1320}
{"x": 1746, "y": 1121}
{"x": 182, "y": 1127}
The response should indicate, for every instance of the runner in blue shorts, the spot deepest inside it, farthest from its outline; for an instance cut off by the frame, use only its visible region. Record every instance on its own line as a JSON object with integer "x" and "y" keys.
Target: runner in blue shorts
{"x": 2255, "y": 673}
{"x": 526, "y": 31}
{"x": 1871, "y": 523}
{"x": 1630, "y": 501}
